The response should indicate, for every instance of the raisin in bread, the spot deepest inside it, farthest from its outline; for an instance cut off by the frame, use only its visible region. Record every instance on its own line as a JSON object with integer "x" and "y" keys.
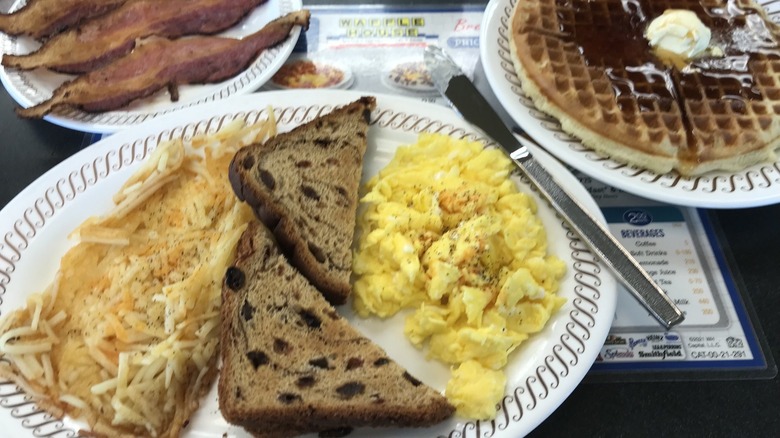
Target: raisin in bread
{"x": 303, "y": 185}
{"x": 292, "y": 364}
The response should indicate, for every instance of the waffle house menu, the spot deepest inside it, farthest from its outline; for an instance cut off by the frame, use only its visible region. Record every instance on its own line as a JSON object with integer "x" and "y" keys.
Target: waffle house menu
{"x": 380, "y": 49}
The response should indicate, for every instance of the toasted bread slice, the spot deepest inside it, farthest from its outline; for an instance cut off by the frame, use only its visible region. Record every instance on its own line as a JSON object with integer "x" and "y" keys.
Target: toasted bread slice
{"x": 292, "y": 364}
{"x": 303, "y": 185}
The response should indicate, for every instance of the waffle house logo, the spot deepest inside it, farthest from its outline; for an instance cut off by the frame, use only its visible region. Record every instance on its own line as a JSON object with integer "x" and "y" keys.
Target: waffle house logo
{"x": 388, "y": 27}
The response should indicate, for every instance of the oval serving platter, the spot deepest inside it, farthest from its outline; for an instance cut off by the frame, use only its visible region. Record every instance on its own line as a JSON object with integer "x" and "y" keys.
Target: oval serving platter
{"x": 540, "y": 375}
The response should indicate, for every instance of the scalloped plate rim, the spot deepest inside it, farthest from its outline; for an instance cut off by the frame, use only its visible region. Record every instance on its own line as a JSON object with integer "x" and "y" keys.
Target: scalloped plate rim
{"x": 546, "y": 399}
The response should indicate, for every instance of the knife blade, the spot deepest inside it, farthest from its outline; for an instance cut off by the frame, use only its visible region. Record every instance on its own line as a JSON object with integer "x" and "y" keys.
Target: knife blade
{"x": 464, "y": 96}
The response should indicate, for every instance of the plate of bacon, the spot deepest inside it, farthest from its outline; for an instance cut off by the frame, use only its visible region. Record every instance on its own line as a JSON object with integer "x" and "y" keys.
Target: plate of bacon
{"x": 103, "y": 65}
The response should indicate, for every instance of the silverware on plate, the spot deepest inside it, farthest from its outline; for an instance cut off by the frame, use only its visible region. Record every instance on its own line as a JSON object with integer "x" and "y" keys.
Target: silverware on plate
{"x": 469, "y": 102}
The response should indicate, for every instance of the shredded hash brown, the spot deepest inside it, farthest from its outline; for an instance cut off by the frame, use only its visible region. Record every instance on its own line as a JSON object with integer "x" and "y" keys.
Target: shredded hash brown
{"x": 126, "y": 336}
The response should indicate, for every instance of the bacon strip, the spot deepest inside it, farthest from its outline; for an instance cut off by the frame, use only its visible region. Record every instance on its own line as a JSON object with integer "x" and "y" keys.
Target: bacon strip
{"x": 43, "y": 18}
{"x": 161, "y": 63}
{"x": 113, "y": 35}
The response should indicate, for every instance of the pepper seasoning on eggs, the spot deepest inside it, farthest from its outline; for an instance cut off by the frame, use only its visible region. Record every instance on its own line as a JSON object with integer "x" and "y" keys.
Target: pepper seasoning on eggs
{"x": 446, "y": 232}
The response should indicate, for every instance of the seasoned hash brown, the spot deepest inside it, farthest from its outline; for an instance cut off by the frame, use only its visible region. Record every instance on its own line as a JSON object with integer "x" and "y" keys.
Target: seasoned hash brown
{"x": 126, "y": 336}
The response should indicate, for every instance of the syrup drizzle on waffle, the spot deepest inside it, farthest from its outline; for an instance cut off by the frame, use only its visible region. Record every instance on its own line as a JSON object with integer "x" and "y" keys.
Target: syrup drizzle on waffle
{"x": 712, "y": 110}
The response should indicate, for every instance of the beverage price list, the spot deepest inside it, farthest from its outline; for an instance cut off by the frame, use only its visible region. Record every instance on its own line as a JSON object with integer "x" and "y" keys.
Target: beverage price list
{"x": 678, "y": 247}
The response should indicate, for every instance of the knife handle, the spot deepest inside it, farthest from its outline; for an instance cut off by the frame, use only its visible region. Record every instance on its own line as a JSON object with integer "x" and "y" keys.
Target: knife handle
{"x": 473, "y": 106}
{"x": 626, "y": 269}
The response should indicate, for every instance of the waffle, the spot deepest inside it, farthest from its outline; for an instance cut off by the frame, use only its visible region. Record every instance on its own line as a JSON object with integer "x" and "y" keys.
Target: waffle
{"x": 588, "y": 64}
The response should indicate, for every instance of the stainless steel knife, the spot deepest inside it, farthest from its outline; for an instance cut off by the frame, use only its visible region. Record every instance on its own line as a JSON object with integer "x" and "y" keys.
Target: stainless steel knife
{"x": 464, "y": 96}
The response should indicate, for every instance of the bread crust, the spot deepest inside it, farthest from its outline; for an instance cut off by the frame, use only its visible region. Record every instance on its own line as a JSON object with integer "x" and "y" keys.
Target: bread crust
{"x": 280, "y": 216}
{"x": 384, "y": 395}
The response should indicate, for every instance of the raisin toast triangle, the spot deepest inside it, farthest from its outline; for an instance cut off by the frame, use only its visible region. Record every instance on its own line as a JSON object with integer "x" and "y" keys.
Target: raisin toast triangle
{"x": 293, "y": 365}
{"x": 303, "y": 185}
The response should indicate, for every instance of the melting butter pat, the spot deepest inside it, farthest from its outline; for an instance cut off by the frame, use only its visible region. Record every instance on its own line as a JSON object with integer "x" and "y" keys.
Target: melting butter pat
{"x": 678, "y": 36}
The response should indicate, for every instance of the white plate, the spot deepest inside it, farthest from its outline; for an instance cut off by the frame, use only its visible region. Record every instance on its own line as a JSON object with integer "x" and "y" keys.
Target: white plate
{"x": 541, "y": 374}
{"x": 35, "y": 86}
{"x": 754, "y": 186}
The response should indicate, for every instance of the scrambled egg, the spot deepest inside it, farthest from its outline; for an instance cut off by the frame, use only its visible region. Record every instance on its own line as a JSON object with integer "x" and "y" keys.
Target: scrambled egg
{"x": 447, "y": 233}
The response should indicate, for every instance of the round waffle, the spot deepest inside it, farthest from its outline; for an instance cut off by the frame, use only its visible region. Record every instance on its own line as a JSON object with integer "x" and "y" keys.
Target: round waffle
{"x": 587, "y": 63}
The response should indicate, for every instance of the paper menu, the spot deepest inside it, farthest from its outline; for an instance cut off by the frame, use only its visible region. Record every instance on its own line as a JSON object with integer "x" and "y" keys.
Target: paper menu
{"x": 665, "y": 242}
{"x": 668, "y": 241}
{"x": 679, "y": 249}
{"x": 381, "y": 47}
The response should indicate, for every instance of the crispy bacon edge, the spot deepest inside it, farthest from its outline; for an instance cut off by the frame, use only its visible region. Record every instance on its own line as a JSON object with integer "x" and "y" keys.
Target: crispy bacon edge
{"x": 41, "y": 19}
{"x": 164, "y": 63}
{"x": 103, "y": 39}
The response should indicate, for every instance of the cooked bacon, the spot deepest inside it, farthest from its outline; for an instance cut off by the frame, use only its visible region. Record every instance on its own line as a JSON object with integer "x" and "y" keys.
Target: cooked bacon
{"x": 113, "y": 35}
{"x": 42, "y": 18}
{"x": 161, "y": 63}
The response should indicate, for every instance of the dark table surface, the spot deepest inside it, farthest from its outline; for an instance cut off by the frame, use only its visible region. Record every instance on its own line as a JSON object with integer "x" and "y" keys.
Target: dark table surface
{"x": 727, "y": 407}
